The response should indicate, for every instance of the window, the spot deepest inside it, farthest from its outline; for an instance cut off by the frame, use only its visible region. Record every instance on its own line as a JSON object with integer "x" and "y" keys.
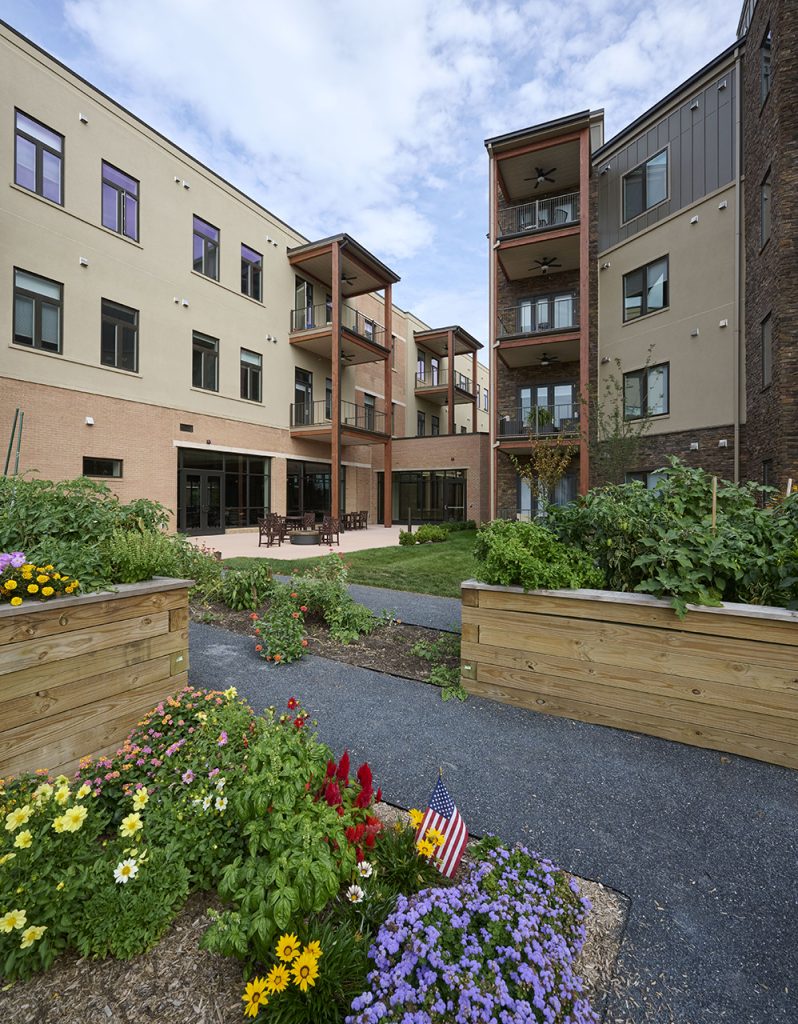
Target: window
{"x": 648, "y": 479}
{"x": 303, "y": 398}
{"x": 37, "y": 311}
{"x": 767, "y": 351}
{"x": 393, "y": 351}
{"x": 119, "y": 341}
{"x": 328, "y": 398}
{"x": 251, "y": 273}
{"x": 436, "y": 426}
{"x": 420, "y": 368}
{"x": 764, "y": 210}
{"x": 368, "y": 412}
{"x": 206, "y": 249}
{"x": 546, "y": 313}
{"x": 38, "y": 155}
{"x": 645, "y": 392}
{"x": 645, "y": 290}
{"x": 421, "y": 424}
{"x": 463, "y": 430}
{"x": 205, "y": 362}
{"x": 102, "y": 467}
{"x": 251, "y": 375}
{"x": 434, "y": 371}
{"x": 645, "y": 186}
{"x": 302, "y": 316}
{"x": 120, "y": 202}
{"x": 393, "y": 419}
{"x": 765, "y": 76}
{"x": 485, "y": 400}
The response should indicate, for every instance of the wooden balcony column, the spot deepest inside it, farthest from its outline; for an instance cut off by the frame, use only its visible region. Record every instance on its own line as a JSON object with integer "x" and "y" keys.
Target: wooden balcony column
{"x": 584, "y": 305}
{"x": 335, "y": 453}
{"x": 450, "y": 386}
{"x": 387, "y": 490}
{"x": 475, "y": 406}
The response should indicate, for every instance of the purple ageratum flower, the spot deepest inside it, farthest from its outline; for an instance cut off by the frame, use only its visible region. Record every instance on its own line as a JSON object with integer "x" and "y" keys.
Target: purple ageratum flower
{"x": 187, "y": 777}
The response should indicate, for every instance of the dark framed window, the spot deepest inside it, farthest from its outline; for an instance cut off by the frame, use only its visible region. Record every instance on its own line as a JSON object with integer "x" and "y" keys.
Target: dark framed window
{"x": 767, "y": 351}
{"x": 205, "y": 362}
{"x": 421, "y": 424}
{"x": 421, "y": 368}
{"x": 645, "y": 186}
{"x": 206, "y": 249}
{"x": 251, "y": 375}
{"x": 368, "y": 328}
{"x": 648, "y": 478}
{"x": 251, "y": 273}
{"x": 393, "y": 351}
{"x": 545, "y": 313}
{"x": 369, "y": 406}
{"x": 764, "y": 210}
{"x": 765, "y": 71}
{"x": 120, "y": 202}
{"x": 645, "y": 290}
{"x": 434, "y": 371}
{"x": 646, "y": 392}
{"x": 463, "y": 430}
{"x": 102, "y": 467}
{"x": 38, "y": 158}
{"x": 119, "y": 341}
{"x": 38, "y": 308}
{"x": 328, "y": 403}
{"x": 435, "y": 426}
{"x": 485, "y": 400}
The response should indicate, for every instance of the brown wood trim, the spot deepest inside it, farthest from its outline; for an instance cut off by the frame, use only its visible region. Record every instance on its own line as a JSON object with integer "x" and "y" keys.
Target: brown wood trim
{"x": 533, "y": 147}
{"x": 335, "y": 453}
{"x": 539, "y": 236}
{"x": 387, "y": 464}
{"x": 584, "y": 307}
{"x": 450, "y": 380}
{"x": 475, "y": 410}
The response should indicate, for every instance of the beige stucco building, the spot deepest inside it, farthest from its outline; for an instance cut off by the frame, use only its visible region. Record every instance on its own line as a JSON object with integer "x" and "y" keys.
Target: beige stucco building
{"x": 171, "y": 336}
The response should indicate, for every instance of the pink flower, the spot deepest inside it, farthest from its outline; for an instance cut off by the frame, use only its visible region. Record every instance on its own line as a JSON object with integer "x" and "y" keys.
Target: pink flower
{"x": 187, "y": 777}
{"x": 222, "y": 741}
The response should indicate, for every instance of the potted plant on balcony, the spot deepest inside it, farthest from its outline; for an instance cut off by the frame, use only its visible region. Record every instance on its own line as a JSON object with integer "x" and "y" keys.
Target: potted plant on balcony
{"x": 539, "y": 421}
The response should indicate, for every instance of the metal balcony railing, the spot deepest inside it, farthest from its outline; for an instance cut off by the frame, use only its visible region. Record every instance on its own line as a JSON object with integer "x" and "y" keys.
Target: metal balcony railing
{"x": 540, "y": 421}
{"x": 540, "y": 215}
{"x": 540, "y": 315}
{"x": 319, "y": 413}
{"x": 310, "y": 317}
{"x": 440, "y": 379}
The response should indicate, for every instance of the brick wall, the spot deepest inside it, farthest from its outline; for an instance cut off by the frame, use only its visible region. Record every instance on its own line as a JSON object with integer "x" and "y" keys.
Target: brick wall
{"x": 656, "y": 448}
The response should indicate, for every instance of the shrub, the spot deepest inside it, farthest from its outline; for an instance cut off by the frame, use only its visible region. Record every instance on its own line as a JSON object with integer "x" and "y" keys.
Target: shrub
{"x": 406, "y": 538}
{"x": 134, "y": 556}
{"x": 528, "y": 555}
{"x": 429, "y": 534}
{"x": 247, "y": 589}
{"x": 280, "y": 632}
{"x": 323, "y": 590}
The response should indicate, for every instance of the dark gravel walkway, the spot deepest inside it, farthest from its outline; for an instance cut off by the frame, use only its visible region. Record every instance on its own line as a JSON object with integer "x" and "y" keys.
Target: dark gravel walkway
{"x": 704, "y": 844}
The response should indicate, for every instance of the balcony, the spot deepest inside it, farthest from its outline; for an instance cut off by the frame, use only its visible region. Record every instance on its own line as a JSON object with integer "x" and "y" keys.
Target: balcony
{"x": 314, "y": 419}
{"x": 544, "y": 314}
{"x": 539, "y": 215}
{"x": 540, "y": 421}
{"x": 362, "y": 339}
{"x": 433, "y": 386}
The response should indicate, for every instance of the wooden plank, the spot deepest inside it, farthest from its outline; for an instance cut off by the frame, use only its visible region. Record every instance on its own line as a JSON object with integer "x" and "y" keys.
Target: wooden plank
{"x": 178, "y": 618}
{"x": 732, "y": 626}
{"x": 68, "y": 767}
{"x": 703, "y": 691}
{"x": 61, "y": 732}
{"x": 714, "y": 739}
{"x": 58, "y": 618}
{"x": 692, "y": 656}
{"x": 49, "y": 651}
{"x": 470, "y": 632}
{"x": 31, "y": 680}
{"x": 55, "y": 699}
{"x": 628, "y": 703}
{"x": 470, "y": 598}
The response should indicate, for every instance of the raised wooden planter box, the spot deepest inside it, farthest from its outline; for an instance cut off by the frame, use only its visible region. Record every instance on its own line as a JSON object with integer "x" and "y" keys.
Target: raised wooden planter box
{"x": 725, "y": 678}
{"x": 77, "y": 674}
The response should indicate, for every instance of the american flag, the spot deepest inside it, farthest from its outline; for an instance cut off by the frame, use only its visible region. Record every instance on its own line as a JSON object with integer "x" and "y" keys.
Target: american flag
{"x": 444, "y": 816}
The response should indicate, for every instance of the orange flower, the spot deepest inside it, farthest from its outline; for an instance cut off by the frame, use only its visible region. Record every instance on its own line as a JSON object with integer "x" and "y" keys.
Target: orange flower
{"x": 253, "y": 615}
{"x": 258, "y": 647}
{"x": 278, "y": 657}
{"x": 304, "y": 643}
{"x": 294, "y": 594}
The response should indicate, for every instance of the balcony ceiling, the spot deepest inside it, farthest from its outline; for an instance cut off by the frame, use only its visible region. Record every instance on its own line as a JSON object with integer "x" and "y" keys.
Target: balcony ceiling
{"x": 529, "y": 353}
{"x": 320, "y": 344}
{"x": 437, "y": 340}
{"x": 563, "y": 157}
{"x": 361, "y": 271}
{"x": 518, "y": 261}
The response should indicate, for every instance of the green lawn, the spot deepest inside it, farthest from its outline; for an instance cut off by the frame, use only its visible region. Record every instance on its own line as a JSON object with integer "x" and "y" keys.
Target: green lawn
{"x": 422, "y": 569}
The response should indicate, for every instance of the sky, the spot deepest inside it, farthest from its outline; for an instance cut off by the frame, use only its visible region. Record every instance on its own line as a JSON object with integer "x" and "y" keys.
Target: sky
{"x": 369, "y": 116}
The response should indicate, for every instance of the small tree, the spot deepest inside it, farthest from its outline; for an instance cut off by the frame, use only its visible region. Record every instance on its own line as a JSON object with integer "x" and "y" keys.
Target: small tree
{"x": 545, "y": 467}
{"x": 614, "y": 442}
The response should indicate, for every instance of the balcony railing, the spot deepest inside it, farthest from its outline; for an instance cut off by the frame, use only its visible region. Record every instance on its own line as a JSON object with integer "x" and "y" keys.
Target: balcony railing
{"x": 540, "y": 215}
{"x": 541, "y": 421}
{"x": 440, "y": 379}
{"x": 540, "y": 316}
{"x": 315, "y": 414}
{"x": 310, "y": 317}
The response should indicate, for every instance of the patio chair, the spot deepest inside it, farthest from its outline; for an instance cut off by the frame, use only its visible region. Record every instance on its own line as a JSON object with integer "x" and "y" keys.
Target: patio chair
{"x": 270, "y": 531}
{"x": 309, "y": 521}
{"x": 329, "y": 528}
{"x": 363, "y": 520}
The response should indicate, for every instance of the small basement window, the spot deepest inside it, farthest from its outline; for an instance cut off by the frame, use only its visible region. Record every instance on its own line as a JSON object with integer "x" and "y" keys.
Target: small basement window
{"x": 102, "y": 467}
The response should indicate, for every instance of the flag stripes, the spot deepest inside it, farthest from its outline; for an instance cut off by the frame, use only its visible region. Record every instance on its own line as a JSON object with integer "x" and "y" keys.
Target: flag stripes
{"x": 443, "y": 816}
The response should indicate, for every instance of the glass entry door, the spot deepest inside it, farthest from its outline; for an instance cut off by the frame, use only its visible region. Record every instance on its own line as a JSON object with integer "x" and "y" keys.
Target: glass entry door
{"x": 201, "y": 506}
{"x": 454, "y": 500}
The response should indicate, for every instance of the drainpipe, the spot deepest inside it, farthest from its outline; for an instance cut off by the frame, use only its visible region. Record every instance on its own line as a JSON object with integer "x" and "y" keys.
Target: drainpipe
{"x": 738, "y": 243}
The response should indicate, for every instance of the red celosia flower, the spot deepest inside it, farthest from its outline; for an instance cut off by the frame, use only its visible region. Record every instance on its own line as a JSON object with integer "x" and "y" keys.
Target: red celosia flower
{"x": 340, "y": 811}
{"x": 292, "y": 703}
{"x": 363, "y": 799}
{"x": 331, "y": 766}
{"x": 332, "y": 794}
{"x": 359, "y": 854}
{"x": 379, "y": 794}
{"x": 364, "y": 776}
{"x": 343, "y": 767}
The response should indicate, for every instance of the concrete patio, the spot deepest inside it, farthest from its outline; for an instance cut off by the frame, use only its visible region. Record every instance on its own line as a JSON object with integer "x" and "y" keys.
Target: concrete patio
{"x": 244, "y": 544}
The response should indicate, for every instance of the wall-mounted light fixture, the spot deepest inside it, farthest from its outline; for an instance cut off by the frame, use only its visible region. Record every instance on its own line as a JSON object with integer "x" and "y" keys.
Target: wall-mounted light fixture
{"x": 177, "y": 180}
{"x": 606, "y": 266}
{"x": 186, "y": 185}
{"x": 89, "y": 421}
{"x": 605, "y": 360}
{"x": 83, "y": 261}
{"x": 694, "y": 446}
{"x": 723, "y": 443}
{"x": 693, "y": 334}
{"x": 694, "y": 105}
{"x": 723, "y": 204}
{"x": 83, "y": 119}
{"x": 605, "y": 168}
{"x": 723, "y": 323}
{"x": 694, "y": 219}
{"x": 184, "y": 303}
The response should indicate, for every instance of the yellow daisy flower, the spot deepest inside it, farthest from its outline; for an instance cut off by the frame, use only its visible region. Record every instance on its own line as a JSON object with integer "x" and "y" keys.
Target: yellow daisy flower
{"x": 42, "y": 792}
{"x": 305, "y": 970}
{"x": 314, "y": 948}
{"x": 24, "y": 839}
{"x": 130, "y": 825}
{"x": 435, "y": 837}
{"x": 13, "y": 919}
{"x": 254, "y": 997}
{"x": 288, "y": 947}
{"x": 140, "y": 798}
{"x": 59, "y": 824}
{"x": 20, "y": 816}
{"x": 6, "y": 857}
{"x": 32, "y": 934}
{"x": 416, "y": 817}
{"x": 84, "y": 791}
{"x": 277, "y": 979}
{"x": 74, "y": 818}
{"x": 425, "y": 847}
{"x": 62, "y": 795}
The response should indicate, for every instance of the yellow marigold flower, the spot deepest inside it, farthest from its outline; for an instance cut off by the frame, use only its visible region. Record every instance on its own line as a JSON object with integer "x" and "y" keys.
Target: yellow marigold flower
{"x": 130, "y": 825}
{"x": 10, "y": 584}
{"x": 288, "y": 947}
{"x": 48, "y": 568}
{"x": 18, "y": 817}
{"x": 305, "y": 970}
{"x": 13, "y": 919}
{"x": 74, "y": 818}
{"x": 47, "y": 591}
{"x": 24, "y": 840}
{"x": 425, "y": 847}
{"x": 416, "y": 817}
{"x": 16, "y": 600}
{"x": 140, "y": 798}
{"x": 435, "y": 837}
{"x": 31, "y": 935}
{"x": 33, "y": 588}
{"x": 254, "y": 996}
{"x": 62, "y": 795}
{"x": 84, "y": 791}
{"x": 56, "y": 575}
{"x": 277, "y": 979}
{"x": 42, "y": 578}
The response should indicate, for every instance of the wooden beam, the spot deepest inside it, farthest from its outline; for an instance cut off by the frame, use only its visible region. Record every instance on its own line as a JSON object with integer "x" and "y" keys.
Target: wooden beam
{"x": 335, "y": 447}
{"x": 387, "y": 490}
{"x": 450, "y": 381}
{"x": 584, "y": 308}
{"x": 475, "y": 408}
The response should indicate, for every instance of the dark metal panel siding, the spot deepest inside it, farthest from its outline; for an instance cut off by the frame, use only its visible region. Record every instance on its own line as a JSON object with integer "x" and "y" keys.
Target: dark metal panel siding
{"x": 701, "y": 158}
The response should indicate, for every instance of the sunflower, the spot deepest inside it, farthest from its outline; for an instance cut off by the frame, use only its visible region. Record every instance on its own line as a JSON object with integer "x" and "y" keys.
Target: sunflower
{"x": 305, "y": 970}
{"x": 254, "y": 997}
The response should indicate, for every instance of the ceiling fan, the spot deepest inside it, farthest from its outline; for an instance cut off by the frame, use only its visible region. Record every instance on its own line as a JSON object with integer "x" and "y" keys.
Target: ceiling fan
{"x": 348, "y": 278}
{"x": 548, "y": 360}
{"x": 540, "y": 176}
{"x": 545, "y": 264}
{"x": 347, "y": 357}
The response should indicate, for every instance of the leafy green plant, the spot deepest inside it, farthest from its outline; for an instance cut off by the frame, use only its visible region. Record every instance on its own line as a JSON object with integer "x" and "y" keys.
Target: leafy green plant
{"x": 247, "y": 589}
{"x": 429, "y": 534}
{"x": 407, "y": 538}
{"x": 280, "y": 631}
{"x": 444, "y": 649}
{"x": 134, "y": 555}
{"x": 528, "y": 555}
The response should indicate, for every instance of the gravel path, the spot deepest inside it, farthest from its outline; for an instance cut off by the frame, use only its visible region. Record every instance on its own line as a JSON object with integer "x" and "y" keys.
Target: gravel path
{"x": 704, "y": 844}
